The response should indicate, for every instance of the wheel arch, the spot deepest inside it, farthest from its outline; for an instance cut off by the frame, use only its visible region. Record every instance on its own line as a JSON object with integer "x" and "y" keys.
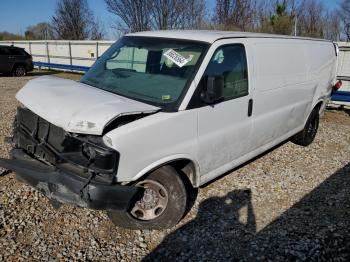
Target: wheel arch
{"x": 319, "y": 104}
{"x": 186, "y": 167}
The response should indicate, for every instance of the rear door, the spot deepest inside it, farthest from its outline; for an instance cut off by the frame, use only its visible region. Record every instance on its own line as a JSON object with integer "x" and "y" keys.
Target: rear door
{"x": 224, "y": 128}
{"x": 4, "y": 60}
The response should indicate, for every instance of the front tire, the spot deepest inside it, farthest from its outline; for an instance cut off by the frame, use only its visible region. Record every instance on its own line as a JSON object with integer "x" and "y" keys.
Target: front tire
{"x": 161, "y": 205}
{"x": 19, "y": 71}
{"x": 306, "y": 136}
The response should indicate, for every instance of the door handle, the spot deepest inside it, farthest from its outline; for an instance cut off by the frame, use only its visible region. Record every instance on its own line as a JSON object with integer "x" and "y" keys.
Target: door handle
{"x": 250, "y": 107}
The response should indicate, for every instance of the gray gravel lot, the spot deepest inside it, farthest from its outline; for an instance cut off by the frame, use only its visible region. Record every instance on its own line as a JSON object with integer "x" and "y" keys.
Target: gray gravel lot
{"x": 292, "y": 203}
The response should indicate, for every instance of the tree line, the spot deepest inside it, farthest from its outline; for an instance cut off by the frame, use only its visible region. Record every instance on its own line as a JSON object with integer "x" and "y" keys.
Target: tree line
{"x": 74, "y": 20}
{"x": 309, "y": 18}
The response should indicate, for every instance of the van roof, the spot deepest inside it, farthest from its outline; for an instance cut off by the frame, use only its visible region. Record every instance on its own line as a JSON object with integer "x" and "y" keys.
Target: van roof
{"x": 212, "y": 36}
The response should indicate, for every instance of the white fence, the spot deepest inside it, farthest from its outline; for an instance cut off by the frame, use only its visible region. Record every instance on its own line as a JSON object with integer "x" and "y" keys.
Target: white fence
{"x": 344, "y": 65}
{"x": 79, "y": 53}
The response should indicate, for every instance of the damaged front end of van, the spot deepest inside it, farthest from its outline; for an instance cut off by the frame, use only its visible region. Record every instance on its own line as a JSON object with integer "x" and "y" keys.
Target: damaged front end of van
{"x": 66, "y": 166}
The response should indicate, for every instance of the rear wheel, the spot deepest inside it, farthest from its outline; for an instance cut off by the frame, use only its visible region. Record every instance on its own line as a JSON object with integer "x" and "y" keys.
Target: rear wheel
{"x": 161, "y": 204}
{"x": 19, "y": 70}
{"x": 306, "y": 136}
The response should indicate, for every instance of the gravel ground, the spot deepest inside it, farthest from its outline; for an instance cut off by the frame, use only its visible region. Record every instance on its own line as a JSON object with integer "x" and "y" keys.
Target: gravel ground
{"x": 292, "y": 203}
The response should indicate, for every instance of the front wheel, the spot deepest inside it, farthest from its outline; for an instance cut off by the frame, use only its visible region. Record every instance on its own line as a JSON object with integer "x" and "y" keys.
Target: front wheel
{"x": 306, "y": 136}
{"x": 161, "y": 204}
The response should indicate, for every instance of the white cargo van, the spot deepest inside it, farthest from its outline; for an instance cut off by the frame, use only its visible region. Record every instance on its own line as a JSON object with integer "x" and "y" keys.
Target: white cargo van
{"x": 160, "y": 110}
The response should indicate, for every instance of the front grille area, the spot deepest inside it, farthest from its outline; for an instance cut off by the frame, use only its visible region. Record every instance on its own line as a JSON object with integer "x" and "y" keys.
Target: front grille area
{"x": 37, "y": 136}
{"x": 54, "y": 146}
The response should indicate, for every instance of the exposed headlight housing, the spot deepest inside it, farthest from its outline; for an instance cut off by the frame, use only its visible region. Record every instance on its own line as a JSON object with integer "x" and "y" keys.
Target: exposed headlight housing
{"x": 53, "y": 145}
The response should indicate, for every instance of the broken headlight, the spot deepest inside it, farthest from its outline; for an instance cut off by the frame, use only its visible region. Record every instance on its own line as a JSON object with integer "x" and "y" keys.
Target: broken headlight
{"x": 91, "y": 153}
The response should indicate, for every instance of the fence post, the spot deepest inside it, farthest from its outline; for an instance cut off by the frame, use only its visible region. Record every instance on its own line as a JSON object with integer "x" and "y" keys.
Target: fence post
{"x": 96, "y": 50}
{"x": 30, "y": 47}
{"x": 132, "y": 57}
{"x": 47, "y": 51}
{"x": 70, "y": 53}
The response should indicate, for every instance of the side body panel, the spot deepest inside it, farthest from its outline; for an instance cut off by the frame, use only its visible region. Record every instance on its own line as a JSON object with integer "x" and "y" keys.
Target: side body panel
{"x": 322, "y": 70}
{"x": 292, "y": 76}
{"x": 288, "y": 77}
{"x": 284, "y": 92}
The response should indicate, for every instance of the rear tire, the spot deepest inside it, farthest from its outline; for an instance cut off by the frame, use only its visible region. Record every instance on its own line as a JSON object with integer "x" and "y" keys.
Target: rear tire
{"x": 19, "y": 71}
{"x": 161, "y": 205}
{"x": 306, "y": 136}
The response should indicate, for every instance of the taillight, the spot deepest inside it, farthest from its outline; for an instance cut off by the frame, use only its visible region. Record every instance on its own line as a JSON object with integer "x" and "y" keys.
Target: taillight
{"x": 337, "y": 85}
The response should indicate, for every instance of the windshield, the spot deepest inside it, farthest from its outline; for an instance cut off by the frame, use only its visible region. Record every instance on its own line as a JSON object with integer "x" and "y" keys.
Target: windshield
{"x": 152, "y": 70}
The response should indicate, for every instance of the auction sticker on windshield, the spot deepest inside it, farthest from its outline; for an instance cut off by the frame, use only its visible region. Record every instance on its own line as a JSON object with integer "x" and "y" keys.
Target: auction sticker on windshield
{"x": 175, "y": 57}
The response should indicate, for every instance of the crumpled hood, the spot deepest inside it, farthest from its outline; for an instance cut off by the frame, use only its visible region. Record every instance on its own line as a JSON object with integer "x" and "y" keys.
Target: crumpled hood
{"x": 76, "y": 107}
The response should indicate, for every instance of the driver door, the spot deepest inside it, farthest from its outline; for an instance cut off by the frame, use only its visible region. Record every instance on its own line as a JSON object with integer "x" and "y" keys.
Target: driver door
{"x": 224, "y": 128}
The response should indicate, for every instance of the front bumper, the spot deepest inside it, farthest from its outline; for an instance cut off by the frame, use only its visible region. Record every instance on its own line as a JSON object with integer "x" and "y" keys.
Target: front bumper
{"x": 66, "y": 187}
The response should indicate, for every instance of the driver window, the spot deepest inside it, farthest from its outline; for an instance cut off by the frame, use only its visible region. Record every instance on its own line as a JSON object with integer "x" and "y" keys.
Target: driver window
{"x": 230, "y": 62}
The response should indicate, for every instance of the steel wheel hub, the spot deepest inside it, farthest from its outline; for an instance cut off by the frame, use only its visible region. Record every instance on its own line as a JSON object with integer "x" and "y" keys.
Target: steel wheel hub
{"x": 153, "y": 201}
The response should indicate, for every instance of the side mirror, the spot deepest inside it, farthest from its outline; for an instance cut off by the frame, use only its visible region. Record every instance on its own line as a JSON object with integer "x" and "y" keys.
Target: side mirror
{"x": 214, "y": 90}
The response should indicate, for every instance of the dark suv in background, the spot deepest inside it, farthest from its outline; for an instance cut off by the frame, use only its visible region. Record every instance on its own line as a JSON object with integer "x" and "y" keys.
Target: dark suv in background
{"x": 15, "y": 61}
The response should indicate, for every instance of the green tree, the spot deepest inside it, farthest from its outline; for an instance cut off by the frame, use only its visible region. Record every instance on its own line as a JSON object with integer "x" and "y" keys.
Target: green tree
{"x": 9, "y": 36}
{"x": 41, "y": 31}
{"x": 281, "y": 22}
